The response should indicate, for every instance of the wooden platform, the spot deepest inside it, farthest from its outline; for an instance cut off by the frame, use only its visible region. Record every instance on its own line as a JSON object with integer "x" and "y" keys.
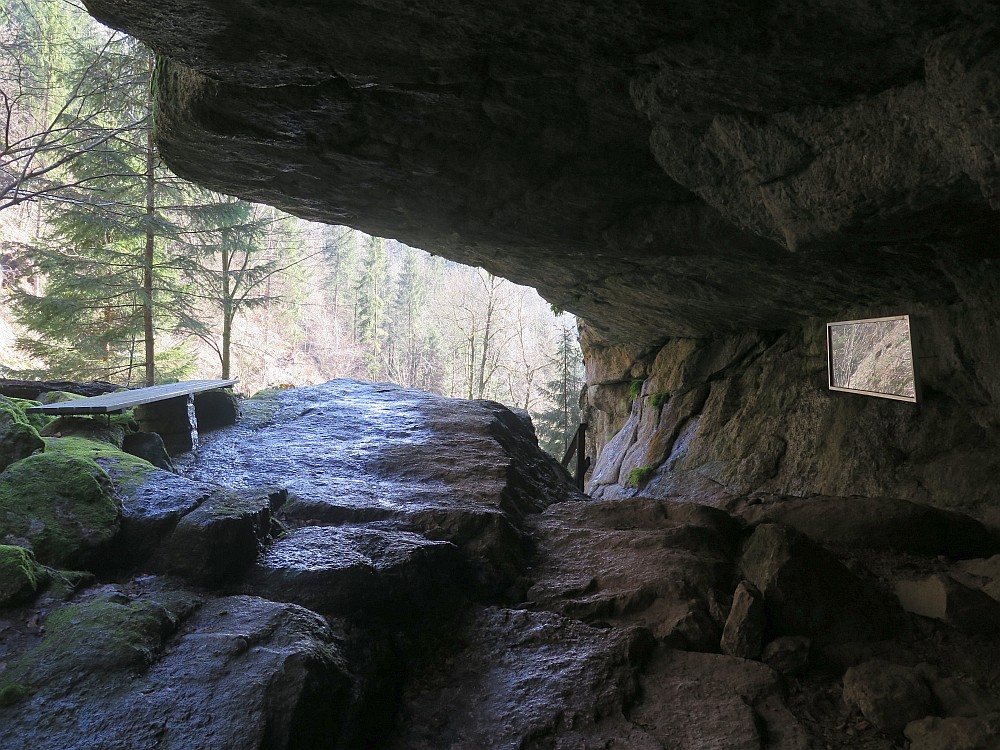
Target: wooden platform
{"x": 115, "y": 403}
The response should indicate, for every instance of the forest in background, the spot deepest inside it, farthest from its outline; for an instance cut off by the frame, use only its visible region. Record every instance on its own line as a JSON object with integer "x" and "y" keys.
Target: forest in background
{"x": 112, "y": 268}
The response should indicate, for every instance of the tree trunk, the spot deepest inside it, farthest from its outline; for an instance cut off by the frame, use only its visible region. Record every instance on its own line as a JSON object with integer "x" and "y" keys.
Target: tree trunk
{"x": 147, "y": 258}
{"x": 227, "y": 313}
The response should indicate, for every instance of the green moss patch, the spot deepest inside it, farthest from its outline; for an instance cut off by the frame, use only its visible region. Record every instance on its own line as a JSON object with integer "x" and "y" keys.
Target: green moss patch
{"x": 638, "y": 477}
{"x": 59, "y": 505}
{"x": 90, "y": 428}
{"x": 659, "y": 399}
{"x": 127, "y": 472}
{"x": 634, "y": 389}
{"x": 38, "y": 421}
{"x": 12, "y": 693}
{"x": 18, "y": 439}
{"x": 21, "y": 576}
{"x": 106, "y": 633}
{"x": 58, "y": 397}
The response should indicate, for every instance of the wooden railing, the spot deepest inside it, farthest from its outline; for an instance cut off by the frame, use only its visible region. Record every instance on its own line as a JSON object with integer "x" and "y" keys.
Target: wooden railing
{"x": 578, "y": 446}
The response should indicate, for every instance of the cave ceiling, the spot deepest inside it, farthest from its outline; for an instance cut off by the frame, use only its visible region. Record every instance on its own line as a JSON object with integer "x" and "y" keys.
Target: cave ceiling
{"x": 675, "y": 168}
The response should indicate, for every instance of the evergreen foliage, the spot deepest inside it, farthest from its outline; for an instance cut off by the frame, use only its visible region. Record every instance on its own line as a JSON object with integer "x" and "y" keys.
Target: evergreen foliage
{"x": 557, "y": 425}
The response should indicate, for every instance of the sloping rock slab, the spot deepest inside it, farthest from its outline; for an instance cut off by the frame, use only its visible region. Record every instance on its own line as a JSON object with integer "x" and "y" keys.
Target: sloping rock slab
{"x": 520, "y": 679}
{"x": 351, "y": 452}
{"x": 664, "y": 565}
{"x": 881, "y": 523}
{"x": 362, "y": 573}
{"x": 807, "y": 591}
{"x": 240, "y": 673}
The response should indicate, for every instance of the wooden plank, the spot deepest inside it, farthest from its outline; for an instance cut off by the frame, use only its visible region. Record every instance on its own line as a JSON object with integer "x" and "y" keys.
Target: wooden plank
{"x": 113, "y": 403}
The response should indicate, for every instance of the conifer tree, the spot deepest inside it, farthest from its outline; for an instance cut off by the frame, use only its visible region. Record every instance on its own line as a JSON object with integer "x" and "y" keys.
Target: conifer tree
{"x": 557, "y": 424}
{"x": 370, "y": 323}
{"x": 107, "y": 288}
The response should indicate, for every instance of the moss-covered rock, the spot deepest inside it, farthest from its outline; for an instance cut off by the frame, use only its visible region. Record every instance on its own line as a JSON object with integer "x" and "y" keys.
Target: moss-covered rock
{"x": 125, "y": 470}
{"x": 104, "y": 633}
{"x": 21, "y": 576}
{"x": 58, "y": 397}
{"x": 18, "y": 439}
{"x": 90, "y": 428}
{"x": 38, "y": 421}
{"x": 63, "y": 507}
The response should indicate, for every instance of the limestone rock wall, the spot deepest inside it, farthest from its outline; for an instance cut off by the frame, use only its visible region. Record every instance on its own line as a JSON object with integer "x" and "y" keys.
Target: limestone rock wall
{"x": 716, "y": 420}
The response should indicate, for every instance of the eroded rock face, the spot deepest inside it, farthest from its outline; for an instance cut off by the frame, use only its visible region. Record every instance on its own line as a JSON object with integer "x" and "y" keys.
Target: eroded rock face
{"x": 666, "y": 566}
{"x": 722, "y": 419}
{"x": 678, "y": 170}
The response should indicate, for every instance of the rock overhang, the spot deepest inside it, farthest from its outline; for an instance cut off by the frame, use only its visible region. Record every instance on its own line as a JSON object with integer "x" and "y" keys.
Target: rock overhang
{"x": 681, "y": 170}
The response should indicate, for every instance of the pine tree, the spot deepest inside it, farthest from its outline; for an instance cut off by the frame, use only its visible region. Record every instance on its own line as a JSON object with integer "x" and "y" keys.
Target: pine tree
{"x": 406, "y": 333}
{"x": 370, "y": 323}
{"x": 557, "y": 425}
{"x": 108, "y": 289}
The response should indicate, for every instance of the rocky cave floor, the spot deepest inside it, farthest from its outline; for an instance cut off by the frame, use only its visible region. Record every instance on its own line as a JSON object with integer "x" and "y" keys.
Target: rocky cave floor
{"x": 362, "y": 566}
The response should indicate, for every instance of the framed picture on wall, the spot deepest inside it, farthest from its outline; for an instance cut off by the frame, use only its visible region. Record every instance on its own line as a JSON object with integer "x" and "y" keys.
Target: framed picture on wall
{"x": 873, "y": 357}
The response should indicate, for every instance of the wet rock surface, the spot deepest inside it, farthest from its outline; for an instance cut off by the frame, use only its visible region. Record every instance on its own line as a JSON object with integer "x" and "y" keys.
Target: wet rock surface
{"x": 427, "y": 579}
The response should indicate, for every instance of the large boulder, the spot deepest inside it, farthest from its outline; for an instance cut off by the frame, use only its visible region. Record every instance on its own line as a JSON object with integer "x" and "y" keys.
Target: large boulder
{"x": 62, "y": 507}
{"x": 664, "y": 565}
{"x": 468, "y": 473}
{"x": 807, "y": 591}
{"x": 214, "y": 409}
{"x": 889, "y": 695}
{"x": 154, "y": 668}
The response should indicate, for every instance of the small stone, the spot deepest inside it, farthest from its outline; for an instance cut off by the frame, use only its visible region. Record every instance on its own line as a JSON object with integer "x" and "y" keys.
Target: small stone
{"x": 743, "y": 634}
{"x": 788, "y": 654}
{"x": 889, "y": 695}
